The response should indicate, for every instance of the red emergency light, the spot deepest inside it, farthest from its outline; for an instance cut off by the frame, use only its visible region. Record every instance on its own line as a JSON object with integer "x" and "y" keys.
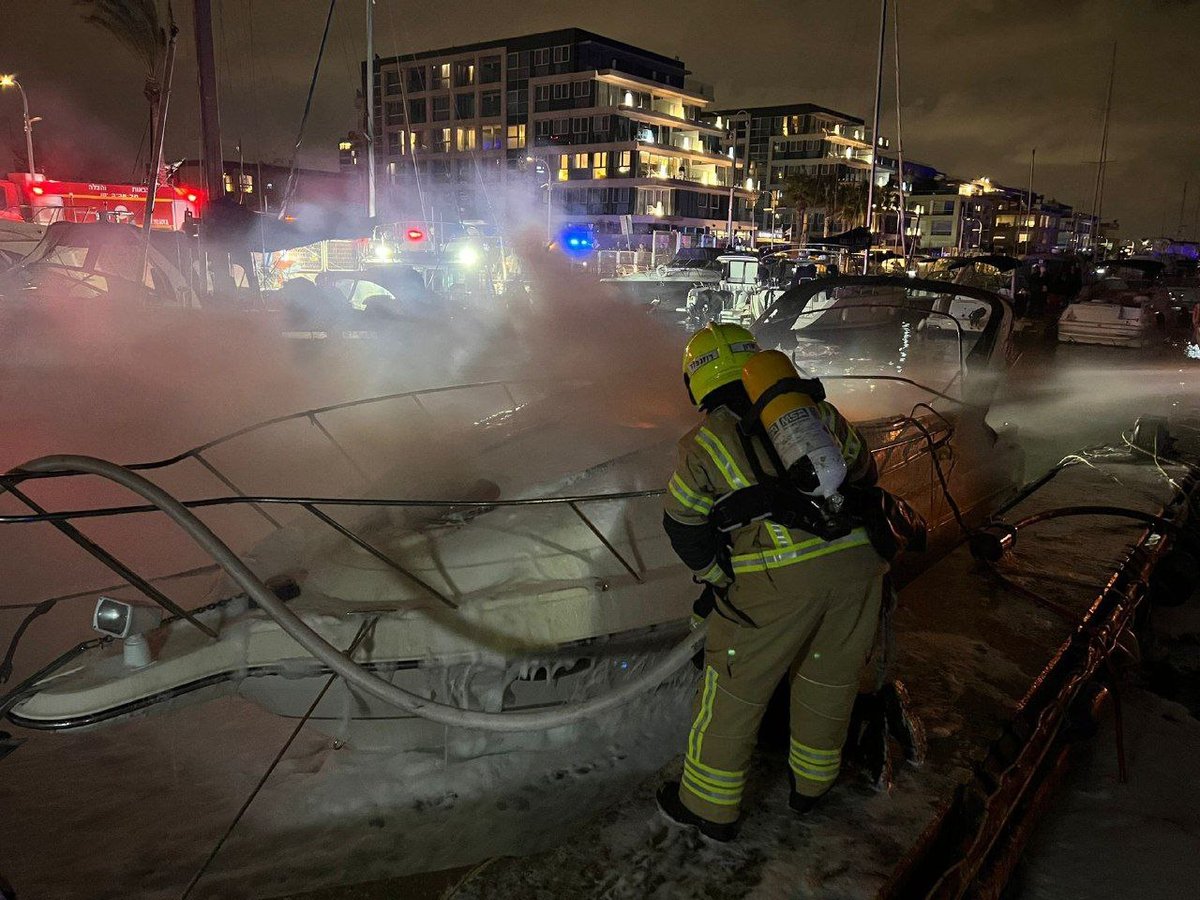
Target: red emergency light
{"x": 415, "y": 235}
{"x": 190, "y": 194}
{"x": 38, "y": 190}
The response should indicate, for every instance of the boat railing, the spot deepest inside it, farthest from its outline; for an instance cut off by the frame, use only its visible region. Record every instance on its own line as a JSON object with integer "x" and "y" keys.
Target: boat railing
{"x": 10, "y": 483}
{"x": 318, "y": 506}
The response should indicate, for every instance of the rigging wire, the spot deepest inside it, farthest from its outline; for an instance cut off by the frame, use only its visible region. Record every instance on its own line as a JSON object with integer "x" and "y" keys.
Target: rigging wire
{"x": 411, "y": 150}
{"x": 899, "y": 138}
{"x": 258, "y": 153}
{"x": 363, "y": 631}
{"x": 312, "y": 87}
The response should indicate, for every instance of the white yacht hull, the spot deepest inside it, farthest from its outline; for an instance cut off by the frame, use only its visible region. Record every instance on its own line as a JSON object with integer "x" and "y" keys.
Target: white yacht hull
{"x": 1106, "y": 324}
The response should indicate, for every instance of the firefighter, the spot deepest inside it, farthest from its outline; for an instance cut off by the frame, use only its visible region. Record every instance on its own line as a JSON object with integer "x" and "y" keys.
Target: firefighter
{"x": 788, "y": 602}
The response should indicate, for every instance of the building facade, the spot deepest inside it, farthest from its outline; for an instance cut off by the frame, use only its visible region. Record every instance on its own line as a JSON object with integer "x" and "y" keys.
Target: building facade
{"x": 611, "y": 134}
{"x": 773, "y": 143}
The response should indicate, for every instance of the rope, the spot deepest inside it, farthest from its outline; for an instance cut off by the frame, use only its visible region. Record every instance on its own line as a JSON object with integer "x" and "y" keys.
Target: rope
{"x": 362, "y": 632}
{"x": 312, "y": 87}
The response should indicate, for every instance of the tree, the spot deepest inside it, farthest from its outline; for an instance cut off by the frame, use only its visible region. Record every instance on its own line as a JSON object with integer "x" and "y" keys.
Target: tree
{"x": 849, "y": 202}
{"x": 800, "y": 192}
{"x": 137, "y": 25}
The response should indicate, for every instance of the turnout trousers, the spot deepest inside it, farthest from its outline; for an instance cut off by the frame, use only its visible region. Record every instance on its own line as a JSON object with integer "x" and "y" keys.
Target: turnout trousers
{"x": 814, "y": 622}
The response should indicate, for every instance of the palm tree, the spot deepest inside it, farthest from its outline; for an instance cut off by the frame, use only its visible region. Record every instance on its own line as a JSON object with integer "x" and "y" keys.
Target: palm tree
{"x": 848, "y": 202}
{"x": 137, "y": 25}
{"x": 800, "y": 192}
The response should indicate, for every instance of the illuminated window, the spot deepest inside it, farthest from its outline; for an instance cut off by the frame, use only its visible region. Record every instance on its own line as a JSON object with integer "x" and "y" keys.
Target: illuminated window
{"x": 516, "y": 136}
{"x": 443, "y": 140}
{"x": 465, "y": 138}
{"x": 247, "y": 184}
{"x": 600, "y": 164}
{"x": 564, "y": 161}
{"x": 492, "y": 137}
{"x": 623, "y": 158}
{"x": 581, "y": 160}
{"x": 464, "y": 74}
{"x": 228, "y": 184}
{"x": 441, "y": 76}
{"x": 562, "y": 53}
{"x": 345, "y": 145}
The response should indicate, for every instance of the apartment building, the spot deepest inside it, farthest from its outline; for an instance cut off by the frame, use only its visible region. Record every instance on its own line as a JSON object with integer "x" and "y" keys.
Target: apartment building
{"x": 773, "y": 143}
{"x": 950, "y": 215}
{"x": 611, "y": 134}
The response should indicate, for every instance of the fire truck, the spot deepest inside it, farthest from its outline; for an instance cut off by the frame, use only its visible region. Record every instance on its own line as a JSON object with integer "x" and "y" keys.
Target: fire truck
{"x": 35, "y": 198}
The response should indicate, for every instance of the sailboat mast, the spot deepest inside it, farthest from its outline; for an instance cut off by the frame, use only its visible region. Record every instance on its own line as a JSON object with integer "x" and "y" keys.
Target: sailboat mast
{"x": 210, "y": 116}
{"x": 1030, "y": 218}
{"x": 1098, "y": 190}
{"x": 875, "y": 134}
{"x": 371, "y": 108}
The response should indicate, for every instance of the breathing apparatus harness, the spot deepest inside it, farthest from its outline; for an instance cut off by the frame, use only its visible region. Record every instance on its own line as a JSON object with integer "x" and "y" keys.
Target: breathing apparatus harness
{"x": 813, "y": 493}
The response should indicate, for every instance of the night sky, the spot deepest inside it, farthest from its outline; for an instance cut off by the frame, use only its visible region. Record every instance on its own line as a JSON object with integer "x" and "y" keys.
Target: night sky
{"x": 983, "y": 81}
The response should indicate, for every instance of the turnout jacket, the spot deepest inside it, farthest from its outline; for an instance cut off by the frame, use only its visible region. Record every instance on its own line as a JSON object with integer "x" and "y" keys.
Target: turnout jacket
{"x": 712, "y": 463}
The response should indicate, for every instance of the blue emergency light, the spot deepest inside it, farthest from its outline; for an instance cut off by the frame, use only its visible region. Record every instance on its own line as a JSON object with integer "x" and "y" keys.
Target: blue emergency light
{"x": 576, "y": 241}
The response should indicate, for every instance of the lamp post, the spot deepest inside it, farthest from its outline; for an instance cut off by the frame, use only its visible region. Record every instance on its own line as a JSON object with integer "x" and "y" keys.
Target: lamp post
{"x": 11, "y": 81}
{"x": 731, "y": 135}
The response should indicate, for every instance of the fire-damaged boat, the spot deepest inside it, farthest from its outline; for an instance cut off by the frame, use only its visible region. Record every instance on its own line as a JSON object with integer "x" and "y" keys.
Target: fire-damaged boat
{"x": 520, "y": 587}
{"x": 496, "y": 580}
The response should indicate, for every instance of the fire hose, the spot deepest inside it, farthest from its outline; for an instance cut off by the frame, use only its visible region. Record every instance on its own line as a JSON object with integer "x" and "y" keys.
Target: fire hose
{"x": 339, "y": 662}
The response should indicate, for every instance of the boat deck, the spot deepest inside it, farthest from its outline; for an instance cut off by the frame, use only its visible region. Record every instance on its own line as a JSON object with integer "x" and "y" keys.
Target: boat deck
{"x": 972, "y": 652}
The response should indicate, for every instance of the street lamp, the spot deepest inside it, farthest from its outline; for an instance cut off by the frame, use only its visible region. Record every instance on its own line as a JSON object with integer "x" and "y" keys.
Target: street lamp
{"x": 539, "y": 163}
{"x": 11, "y": 81}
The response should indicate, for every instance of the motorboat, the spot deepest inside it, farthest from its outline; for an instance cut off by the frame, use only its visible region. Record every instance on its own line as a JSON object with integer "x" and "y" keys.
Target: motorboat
{"x": 1121, "y": 306}
{"x": 85, "y": 262}
{"x": 750, "y": 283}
{"x": 516, "y": 563}
{"x": 666, "y": 286}
{"x": 17, "y": 240}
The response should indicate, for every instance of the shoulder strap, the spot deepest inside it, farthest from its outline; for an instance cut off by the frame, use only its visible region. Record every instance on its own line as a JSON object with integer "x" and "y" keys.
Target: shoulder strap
{"x": 810, "y": 386}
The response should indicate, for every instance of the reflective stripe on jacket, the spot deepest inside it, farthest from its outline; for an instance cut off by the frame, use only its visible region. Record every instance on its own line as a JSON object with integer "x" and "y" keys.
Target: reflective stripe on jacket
{"x": 712, "y": 463}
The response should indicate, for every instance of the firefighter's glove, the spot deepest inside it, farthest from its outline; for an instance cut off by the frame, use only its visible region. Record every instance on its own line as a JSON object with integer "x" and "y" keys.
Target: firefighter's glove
{"x": 876, "y": 717}
{"x": 702, "y": 608}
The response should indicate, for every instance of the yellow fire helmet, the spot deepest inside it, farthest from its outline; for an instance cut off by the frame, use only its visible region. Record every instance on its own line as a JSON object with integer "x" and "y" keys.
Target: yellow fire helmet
{"x": 714, "y": 357}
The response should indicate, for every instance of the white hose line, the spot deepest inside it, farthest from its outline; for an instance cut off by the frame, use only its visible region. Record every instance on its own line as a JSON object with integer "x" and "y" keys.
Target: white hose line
{"x": 341, "y": 664}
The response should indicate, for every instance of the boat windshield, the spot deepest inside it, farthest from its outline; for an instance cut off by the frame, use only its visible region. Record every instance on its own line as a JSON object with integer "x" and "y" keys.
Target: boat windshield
{"x": 695, "y": 258}
{"x": 864, "y": 333}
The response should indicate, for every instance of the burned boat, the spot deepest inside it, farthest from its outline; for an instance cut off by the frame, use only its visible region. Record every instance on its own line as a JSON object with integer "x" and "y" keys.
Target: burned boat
{"x": 491, "y": 585}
